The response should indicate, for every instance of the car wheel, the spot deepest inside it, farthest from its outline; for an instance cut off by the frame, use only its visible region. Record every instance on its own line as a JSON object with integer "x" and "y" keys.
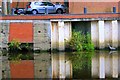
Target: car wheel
{"x": 59, "y": 11}
{"x": 34, "y": 12}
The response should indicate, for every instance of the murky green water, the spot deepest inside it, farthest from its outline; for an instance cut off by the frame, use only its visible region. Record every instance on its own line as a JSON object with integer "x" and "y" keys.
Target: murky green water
{"x": 76, "y": 65}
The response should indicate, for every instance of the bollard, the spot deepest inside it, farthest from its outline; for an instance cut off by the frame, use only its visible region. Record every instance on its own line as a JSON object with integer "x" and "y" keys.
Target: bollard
{"x": 13, "y": 11}
{"x": 85, "y": 10}
{"x": 46, "y": 11}
{"x": 114, "y": 9}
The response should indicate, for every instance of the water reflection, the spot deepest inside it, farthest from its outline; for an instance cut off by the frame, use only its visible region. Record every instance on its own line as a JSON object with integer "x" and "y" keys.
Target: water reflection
{"x": 105, "y": 65}
{"x": 82, "y": 65}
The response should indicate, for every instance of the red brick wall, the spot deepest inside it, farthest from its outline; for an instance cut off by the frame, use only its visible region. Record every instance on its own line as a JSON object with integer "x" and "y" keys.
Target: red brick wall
{"x": 92, "y": 7}
{"x": 22, "y": 69}
{"x": 119, "y": 6}
{"x": 22, "y": 32}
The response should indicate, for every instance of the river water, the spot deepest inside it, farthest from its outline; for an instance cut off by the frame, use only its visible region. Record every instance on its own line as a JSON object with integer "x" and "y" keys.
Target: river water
{"x": 69, "y": 65}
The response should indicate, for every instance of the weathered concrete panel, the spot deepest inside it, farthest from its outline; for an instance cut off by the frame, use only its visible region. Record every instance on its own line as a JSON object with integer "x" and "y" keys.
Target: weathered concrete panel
{"x": 42, "y": 66}
{"x": 115, "y": 33}
{"x": 119, "y": 33}
{"x": 4, "y": 34}
{"x": 0, "y": 35}
{"x": 42, "y": 35}
{"x": 108, "y": 33}
{"x": 101, "y": 34}
{"x": 61, "y": 35}
{"x": 68, "y": 32}
{"x": 54, "y": 36}
{"x": 94, "y": 33}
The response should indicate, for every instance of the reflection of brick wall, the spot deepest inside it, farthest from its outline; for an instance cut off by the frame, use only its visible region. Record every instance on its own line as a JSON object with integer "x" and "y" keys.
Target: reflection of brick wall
{"x": 92, "y": 7}
{"x": 22, "y": 32}
{"x": 22, "y": 69}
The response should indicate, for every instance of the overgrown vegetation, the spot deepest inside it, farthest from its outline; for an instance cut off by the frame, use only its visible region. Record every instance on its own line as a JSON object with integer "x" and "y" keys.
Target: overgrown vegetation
{"x": 80, "y": 42}
{"x": 15, "y": 45}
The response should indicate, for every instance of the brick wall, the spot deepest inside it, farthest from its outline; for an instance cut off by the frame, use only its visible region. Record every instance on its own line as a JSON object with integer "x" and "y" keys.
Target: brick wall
{"x": 92, "y": 7}
{"x": 22, "y": 32}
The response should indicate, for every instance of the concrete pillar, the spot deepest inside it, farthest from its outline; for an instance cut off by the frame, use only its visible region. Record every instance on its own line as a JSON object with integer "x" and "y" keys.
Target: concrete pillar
{"x": 119, "y": 33}
{"x": 95, "y": 66}
{"x": 54, "y": 35}
{"x": 94, "y": 33}
{"x": 62, "y": 65}
{"x": 115, "y": 33}
{"x": 68, "y": 32}
{"x": 115, "y": 65}
{"x": 108, "y": 65}
{"x": 101, "y": 34}
{"x": 61, "y": 35}
{"x": 0, "y": 36}
{"x": 101, "y": 66}
{"x": 108, "y": 33}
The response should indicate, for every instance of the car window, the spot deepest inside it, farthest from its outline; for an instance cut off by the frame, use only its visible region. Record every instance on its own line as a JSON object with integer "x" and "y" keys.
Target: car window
{"x": 49, "y": 4}
{"x": 37, "y": 3}
{"x": 42, "y": 4}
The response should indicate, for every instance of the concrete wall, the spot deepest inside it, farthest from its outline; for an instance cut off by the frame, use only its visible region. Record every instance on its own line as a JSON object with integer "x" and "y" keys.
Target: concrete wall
{"x": 4, "y": 35}
{"x": 60, "y": 33}
{"x": 52, "y": 34}
{"x": 104, "y": 33}
{"x": 42, "y": 35}
{"x": 119, "y": 32}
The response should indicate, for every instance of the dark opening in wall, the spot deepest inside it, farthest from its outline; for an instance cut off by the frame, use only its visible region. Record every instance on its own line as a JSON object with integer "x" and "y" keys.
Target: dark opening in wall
{"x": 84, "y": 26}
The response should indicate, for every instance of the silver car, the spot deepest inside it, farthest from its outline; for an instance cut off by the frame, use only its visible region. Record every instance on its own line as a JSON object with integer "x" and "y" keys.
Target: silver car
{"x": 45, "y": 7}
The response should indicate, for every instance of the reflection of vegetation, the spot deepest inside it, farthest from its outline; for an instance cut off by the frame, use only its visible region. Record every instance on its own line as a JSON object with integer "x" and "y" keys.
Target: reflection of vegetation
{"x": 15, "y": 45}
{"x": 81, "y": 42}
{"x": 20, "y": 56}
{"x": 81, "y": 62}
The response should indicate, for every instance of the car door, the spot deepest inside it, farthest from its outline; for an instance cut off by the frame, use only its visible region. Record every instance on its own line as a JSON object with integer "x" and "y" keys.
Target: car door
{"x": 50, "y": 8}
{"x": 40, "y": 7}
